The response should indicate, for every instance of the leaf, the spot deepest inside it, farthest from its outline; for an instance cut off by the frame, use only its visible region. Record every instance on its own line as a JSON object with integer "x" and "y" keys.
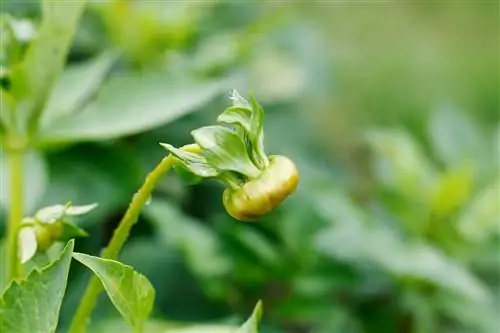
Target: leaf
{"x": 34, "y": 79}
{"x": 198, "y": 243}
{"x": 130, "y": 292}
{"x": 128, "y": 104}
{"x": 455, "y": 137}
{"x": 27, "y": 243}
{"x": 225, "y": 150}
{"x": 479, "y": 220}
{"x": 252, "y": 324}
{"x": 35, "y": 180}
{"x": 452, "y": 191}
{"x": 385, "y": 249}
{"x": 400, "y": 163}
{"x": 34, "y": 304}
{"x": 76, "y": 85}
{"x": 250, "y": 116}
{"x": 194, "y": 162}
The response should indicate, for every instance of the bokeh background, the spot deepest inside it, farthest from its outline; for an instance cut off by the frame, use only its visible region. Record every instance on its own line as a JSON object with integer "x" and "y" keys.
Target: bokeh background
{"x": 390, "y": 110}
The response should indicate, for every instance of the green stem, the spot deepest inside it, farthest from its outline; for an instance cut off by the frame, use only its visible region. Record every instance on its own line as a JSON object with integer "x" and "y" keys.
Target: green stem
{"x": 15, "y": 164}
{"x": 120, "y": 235}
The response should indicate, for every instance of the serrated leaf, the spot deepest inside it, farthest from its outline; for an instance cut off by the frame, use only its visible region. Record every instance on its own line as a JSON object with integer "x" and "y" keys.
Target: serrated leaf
{"x": 252, "y": 324}
{"x": 250, "y": 116}
{"x": 194, "y": 162}
{"x": 76, "y": 85}
{"x": 238, "y": 100}
{"x": 128, "y": 104}
{"x": 130, "y": 292}
{"x": 225, "y": 150}
{"x": 34, "y": 304}
{"x": 34, "y": 78}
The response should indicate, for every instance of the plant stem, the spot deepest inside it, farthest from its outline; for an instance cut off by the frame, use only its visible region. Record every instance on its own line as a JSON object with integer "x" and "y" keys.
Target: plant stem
{"x": 120, "y": 235}
{"x": 15, "y": 164}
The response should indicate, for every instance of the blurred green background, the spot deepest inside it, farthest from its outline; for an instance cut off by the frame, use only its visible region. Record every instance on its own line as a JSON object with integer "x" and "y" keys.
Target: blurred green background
{"x": 390, "y": 110}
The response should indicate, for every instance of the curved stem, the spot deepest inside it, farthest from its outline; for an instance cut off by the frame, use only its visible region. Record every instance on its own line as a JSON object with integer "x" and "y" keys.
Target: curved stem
{"x": 15, "y": 164}
{"x": 120, "y": 235}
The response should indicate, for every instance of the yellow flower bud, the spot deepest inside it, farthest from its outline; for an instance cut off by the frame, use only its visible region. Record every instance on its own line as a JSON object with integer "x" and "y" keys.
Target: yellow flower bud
{"x": 47, "y": 234}
{"x": 263, "y": 194}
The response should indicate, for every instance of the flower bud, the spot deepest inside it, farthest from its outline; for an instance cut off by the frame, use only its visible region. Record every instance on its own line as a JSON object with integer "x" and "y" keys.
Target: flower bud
{"x": 47, "y": 234}
{"x": 261, "y": 195}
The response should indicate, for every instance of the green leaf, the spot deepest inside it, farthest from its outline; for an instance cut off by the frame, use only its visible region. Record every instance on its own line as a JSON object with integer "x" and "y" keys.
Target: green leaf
{"x": 34, "y": 304}
{"x": 252, "y": 324}
{"x": 76, "y": 85}
{"x": 250, "y": 116}
{"x": 384, "y": 248}
{"x": 400, "y": 163}
{"x": 128, "y": 104}
{"x": 35, "y": 180}
{"x": 479, "y": 221}
{"x": 34, "y": 79}
{"x": 130, "y": 292}
{"x": 194, "y": 162}
{"x": 225, "y": 150}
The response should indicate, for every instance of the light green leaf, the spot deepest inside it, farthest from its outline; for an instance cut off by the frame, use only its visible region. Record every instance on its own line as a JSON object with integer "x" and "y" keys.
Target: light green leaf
{"x": 252, "y": 324}
{"x": 130, "y": 292}
{"x": 76, "y": 85}
{"x": 237, "y": 115}
{"x": 225, "y": 150}
{"x": 401, "y": 164}
{"x": 455, "y": 137}
{"x": 35, "y": 180}
{"x": 384, "y": 248}
{"x": 34, "y": 304}
{"x": 128, "y": 104}
{"x": 34, "y": 79}
{"x": 194, "y": 162}
{"x": 479, "y": 221}
{"x": 250, "y": 116}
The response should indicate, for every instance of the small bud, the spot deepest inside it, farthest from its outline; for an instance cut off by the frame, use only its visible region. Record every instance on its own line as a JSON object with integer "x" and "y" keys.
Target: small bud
{"x": 261, "y": 195}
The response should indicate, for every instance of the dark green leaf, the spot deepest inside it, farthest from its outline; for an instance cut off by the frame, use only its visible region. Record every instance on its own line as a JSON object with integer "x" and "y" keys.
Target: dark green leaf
{"x": 128, "y": 104}
{"x": 225, "y": 150}
{"x": 130, "y": 292}
{"x": 34, "y": 304}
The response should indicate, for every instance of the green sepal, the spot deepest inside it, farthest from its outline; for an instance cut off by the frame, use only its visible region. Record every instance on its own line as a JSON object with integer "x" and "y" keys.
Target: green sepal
{"x": 70, "y": 230}
{"x": 195, "y": 163}
{"x": 249, "y": 117}
{"x": 225, "y": 150}
{"x": 187, "y": 176}
{"x": 52, "y": 214}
